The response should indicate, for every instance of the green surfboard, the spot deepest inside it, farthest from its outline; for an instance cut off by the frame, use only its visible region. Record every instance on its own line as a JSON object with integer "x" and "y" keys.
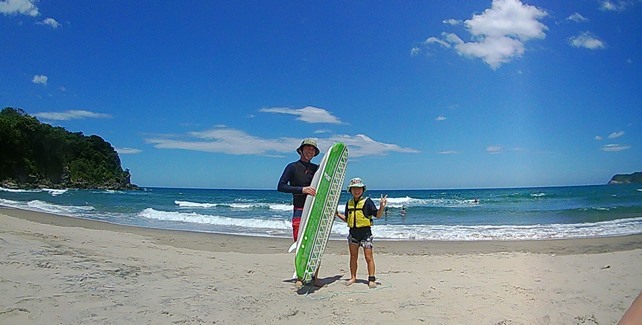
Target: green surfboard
{"x": 319, "y": 212}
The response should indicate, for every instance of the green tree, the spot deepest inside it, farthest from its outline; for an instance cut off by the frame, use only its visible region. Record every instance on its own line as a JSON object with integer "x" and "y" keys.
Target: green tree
{"x": 37, "y": 154}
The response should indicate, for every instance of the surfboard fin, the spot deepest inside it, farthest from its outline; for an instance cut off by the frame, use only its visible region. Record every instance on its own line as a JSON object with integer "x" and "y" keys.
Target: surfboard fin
{"x": 293, "y": 247}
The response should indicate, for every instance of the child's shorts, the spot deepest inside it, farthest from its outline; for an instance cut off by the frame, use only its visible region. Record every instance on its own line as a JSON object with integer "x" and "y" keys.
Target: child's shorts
{"x": 361, "y": 237}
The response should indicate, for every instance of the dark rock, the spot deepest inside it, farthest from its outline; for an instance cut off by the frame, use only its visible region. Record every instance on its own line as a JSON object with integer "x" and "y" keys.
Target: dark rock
{"x": 634, "y": 178}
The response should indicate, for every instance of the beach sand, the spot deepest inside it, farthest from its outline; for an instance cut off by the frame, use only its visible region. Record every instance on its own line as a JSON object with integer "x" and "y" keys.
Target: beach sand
{"x": 61, "y": 270}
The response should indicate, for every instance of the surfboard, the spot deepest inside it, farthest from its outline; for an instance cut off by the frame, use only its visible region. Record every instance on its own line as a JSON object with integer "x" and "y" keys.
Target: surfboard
{"x": 319, "y": 212}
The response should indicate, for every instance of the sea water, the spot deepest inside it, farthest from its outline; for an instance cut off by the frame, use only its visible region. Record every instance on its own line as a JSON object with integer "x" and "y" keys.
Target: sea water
{"x": 472, "y": 214}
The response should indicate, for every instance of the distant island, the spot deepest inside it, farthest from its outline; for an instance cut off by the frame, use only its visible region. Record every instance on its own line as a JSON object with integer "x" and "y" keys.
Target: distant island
{"x": 627, "y": 178}
{"x": 38, "y": 155}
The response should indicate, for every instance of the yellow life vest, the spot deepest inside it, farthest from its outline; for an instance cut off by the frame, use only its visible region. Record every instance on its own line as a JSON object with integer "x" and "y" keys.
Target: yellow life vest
{"x": 356, "y": 216}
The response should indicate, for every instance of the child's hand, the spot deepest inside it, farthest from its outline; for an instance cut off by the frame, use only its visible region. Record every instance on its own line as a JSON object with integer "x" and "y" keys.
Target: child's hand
{"x": 384, "y": 201}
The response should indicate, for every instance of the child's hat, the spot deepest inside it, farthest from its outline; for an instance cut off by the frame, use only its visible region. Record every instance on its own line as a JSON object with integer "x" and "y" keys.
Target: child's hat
{"x": 356, "y": 182}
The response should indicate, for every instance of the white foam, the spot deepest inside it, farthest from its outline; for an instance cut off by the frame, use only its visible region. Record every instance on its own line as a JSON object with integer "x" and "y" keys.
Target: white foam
{"x": 247, "y": 206}
{"x": 55, "y": 192}
{"x": 439, "y": 202}
{"x": 192, "y": 217}
{"x": 12, "y": 204}
{"x": 397, "y": 200}
{"x": 187, "y": 204}
{"x": 11, "y": 190}
{"x": 281, "y": 207}
{"x": 42, "y": 206}
{"x": 58, "y": 209}
{"x": 618, "y": 227}
{"x": 239, "y": 206}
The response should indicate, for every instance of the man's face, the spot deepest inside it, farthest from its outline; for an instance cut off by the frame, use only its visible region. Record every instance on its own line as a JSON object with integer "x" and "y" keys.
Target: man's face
{"x": 307, "y": 152}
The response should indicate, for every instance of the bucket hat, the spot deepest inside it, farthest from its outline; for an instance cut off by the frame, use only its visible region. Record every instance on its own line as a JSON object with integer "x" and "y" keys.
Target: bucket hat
{"x": 308, "y": 142}
{"x": 356, "y": 182}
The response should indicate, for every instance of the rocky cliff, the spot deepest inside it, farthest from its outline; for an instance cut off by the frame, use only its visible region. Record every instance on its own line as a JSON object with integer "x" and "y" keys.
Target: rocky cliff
{"x": 626, "y": 178}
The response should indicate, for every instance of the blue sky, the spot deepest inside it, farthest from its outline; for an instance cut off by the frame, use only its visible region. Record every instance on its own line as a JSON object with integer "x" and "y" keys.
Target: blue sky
{"x": 426, "y": 94}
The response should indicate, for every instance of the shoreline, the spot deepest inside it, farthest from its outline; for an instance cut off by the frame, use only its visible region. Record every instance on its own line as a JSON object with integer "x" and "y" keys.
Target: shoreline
{"x": 64, "y": 270}
{"x": 217, "y": 242}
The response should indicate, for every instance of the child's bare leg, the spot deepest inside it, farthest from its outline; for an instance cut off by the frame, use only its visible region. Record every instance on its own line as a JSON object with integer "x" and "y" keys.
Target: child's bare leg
{"x": 633, "y": 315}
{"x": 371, "y": 267}
{"x": 354, "y": 259}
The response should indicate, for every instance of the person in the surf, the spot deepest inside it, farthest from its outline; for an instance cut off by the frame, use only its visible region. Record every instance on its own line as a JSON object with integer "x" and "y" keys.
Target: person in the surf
{"x": 296, "y": 179}
{"x": 358, "y": 215}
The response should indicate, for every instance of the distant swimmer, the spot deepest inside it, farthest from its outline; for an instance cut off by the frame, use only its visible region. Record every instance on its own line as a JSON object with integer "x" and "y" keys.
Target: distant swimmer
{"x": 403, "y": 210}
{"x": 476, "y": 201}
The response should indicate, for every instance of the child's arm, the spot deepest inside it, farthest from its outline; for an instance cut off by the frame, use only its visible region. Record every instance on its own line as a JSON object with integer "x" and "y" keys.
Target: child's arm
{"x": 340, "y": 216}
{"x": 382, "y": 205}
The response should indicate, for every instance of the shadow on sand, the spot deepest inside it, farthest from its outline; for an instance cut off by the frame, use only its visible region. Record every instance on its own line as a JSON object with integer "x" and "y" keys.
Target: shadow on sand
{"x": 310, "y": 288}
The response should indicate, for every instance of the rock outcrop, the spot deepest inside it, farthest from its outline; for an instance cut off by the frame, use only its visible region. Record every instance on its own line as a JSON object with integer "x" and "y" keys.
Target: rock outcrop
{"x": 627, "y": 178}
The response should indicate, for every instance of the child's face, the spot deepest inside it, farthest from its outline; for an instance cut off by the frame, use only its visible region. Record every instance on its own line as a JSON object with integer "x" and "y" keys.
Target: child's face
{"x": 356, "y": 191}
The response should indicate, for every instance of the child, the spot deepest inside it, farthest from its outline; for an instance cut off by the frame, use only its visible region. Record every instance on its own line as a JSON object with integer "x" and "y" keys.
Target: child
{"x": 358, "y": 214}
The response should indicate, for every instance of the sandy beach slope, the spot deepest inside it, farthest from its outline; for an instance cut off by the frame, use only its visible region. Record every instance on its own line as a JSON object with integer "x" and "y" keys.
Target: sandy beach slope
{"x": 60, "y": 270}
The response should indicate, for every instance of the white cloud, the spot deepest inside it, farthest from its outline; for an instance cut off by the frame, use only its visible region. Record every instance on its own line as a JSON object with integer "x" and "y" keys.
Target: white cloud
{"x": 322, "y": 131}
{"x": 432, "y": 40}
{"x": 362, "y": 145}
{"x": 452, "y": 22}
{"x": 440, "y": 118}
{"x": 307, "y": 114}
{"x": 237, "y": 142}
{"x": 19, "y": 7}
{"x": 448, "y": 152}
{"x": 70, "y": 115}
{"x": 414, "y": 51}
{"x": 616, "y": 135}
{"x": 598, "y": 138}
{"x": 586, "y": 40}
{"x": 40, "y": 79}
{"x": 50, "y": 22}
{"x": 613, "y": 147}
{"x": 127, "y": 151}
{"x": 619, "y": 5}
{"x": 494, "y": 149}
{"x": 576, "y": 17}
{"x": 499, "y": 33}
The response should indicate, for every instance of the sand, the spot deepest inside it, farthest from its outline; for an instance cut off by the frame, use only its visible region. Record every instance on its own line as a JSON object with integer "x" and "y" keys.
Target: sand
{"x": 61, "y": 270}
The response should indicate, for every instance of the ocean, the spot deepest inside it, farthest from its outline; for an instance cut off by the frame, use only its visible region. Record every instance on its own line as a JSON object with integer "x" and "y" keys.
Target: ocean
{"x": 444, "y": 215}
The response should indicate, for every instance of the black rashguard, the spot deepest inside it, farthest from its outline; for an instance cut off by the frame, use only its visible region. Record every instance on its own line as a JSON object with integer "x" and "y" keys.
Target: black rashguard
{"x": 295, "y": 177}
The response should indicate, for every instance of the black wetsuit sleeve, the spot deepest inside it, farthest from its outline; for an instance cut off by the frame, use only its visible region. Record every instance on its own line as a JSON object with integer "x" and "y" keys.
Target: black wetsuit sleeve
{"x": 284, "y": 181}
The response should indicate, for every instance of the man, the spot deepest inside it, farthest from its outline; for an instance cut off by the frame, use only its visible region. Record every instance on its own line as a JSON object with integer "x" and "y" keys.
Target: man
{"x": 296, "y": 179}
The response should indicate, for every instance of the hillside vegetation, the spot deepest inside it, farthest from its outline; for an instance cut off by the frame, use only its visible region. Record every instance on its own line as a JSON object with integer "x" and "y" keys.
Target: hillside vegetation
{"x": 634, "y": 178}
{"x": 35, "y": 154}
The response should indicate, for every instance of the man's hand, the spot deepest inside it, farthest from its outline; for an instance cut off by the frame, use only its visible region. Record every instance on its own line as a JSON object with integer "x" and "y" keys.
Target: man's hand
{"x": 309, "y": 190}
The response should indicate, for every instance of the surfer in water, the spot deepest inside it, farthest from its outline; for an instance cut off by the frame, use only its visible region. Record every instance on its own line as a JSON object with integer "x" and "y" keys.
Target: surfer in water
{"x": 296, "y": 179}
{"x": 359, "y": 212}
